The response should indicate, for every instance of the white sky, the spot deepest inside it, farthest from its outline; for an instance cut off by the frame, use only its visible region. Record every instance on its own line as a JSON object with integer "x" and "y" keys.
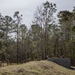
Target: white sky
{"x": 28, "y": 7}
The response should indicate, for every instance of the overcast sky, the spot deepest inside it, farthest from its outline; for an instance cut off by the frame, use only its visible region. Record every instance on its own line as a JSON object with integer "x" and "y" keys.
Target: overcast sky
{"x": 28, "y": 7}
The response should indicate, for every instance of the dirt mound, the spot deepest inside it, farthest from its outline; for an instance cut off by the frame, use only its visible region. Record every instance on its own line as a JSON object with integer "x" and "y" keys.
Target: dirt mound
{"x": 36, "y": 68}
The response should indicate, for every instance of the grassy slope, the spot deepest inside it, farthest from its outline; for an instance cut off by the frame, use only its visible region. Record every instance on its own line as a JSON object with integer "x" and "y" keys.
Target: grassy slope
{"x": 36, "y": 68}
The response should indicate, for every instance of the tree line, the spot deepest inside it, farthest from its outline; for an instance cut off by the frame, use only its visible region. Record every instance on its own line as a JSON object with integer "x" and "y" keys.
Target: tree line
{"x": 45, "y": 38}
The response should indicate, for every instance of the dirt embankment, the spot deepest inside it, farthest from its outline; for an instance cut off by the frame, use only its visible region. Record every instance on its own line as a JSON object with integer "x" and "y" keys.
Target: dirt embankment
{"x": 36, "y": 68}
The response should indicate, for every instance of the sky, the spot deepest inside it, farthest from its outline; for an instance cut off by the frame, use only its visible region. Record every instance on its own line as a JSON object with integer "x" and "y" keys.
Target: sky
{"x": 28, "y": 7}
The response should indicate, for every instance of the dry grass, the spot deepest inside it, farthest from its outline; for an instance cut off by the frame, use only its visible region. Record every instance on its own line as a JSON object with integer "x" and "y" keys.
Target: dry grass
{"x": 36, "y": 68}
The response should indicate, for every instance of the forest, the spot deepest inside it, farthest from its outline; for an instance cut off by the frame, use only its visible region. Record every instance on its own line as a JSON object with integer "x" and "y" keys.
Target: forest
{"x": 45, "y": 38}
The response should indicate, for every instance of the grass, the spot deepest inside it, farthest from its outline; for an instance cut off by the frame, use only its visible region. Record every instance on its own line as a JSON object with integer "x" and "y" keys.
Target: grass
{"x": 36, "y": 68}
